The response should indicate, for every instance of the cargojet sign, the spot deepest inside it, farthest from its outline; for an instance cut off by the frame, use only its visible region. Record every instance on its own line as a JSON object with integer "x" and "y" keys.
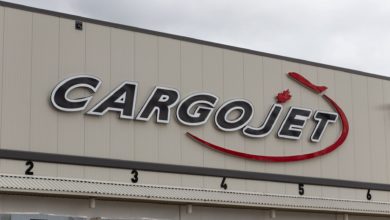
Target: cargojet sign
{"x": 196, "y": 109}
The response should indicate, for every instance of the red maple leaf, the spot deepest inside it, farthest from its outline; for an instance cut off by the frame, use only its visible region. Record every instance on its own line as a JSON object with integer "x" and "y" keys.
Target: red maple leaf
{"x": 283, "y": 96}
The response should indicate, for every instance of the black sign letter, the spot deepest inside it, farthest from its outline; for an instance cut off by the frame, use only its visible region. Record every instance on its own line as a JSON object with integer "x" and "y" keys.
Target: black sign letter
{"x": 267, "y": 125}
{"x": 59, "y": 96}
{"x": 294, "y": 122}
{"x": 196, "y": 109}
{"x": 245, "y": 110}
{"x": 161, "y": 100}
{"x": 323, "y": 119}
{"x": 122, "y": 100}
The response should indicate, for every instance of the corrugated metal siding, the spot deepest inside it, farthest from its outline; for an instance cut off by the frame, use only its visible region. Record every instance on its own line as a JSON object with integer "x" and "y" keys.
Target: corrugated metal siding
{"x": 38, "y": 51}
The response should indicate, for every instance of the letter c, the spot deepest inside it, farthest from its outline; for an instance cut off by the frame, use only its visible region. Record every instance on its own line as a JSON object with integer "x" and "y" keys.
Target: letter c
{"x": 59, "y": 96}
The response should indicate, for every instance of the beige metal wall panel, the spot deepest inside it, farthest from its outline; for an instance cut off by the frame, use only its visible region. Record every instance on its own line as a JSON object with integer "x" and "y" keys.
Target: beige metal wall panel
{"x": 72, "y": 61}
{"x": 38, "y": 51}
{"x": 386, "y": 100}
{"x": 2, "y": 18}
{"x": 16, "y": 106}
{"x": 169, "y": 76}
{"x": 233, "y": 80}
{"x": 329, "y": 165}
{"x": 212, "y": 74}
{"x": 311, "y": 101}
{"x": 272, "y": 86}
{"x": 377, "y": 144}
{"x": 295, "y": 147}
{"x": 253, "y": 80}
{"x": 191, "y": 81}
{"x": 361, "y": 128}
{"x": 346, "y": 157}
{"x": 44, "y": 71}
{"x": 71, "y": 126}
{"x": 97, "y": 129}
{"x": 146, "y": 139}
{"x": 45, "y": 59}
{"x": 121, "y": 68}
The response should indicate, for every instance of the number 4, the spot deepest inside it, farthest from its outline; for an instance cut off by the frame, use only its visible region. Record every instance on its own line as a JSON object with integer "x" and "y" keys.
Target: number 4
{"x": 223, "y": 183}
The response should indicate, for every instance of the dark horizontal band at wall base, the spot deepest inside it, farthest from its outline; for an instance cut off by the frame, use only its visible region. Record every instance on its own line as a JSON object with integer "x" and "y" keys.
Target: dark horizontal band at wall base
{"x": 181, "y": 169}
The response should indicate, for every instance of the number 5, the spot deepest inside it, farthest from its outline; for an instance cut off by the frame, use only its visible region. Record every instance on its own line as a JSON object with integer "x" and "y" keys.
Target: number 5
{"x": 301, "y": 190}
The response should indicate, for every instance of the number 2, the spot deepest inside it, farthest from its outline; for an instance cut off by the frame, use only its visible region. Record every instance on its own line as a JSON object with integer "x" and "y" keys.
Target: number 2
{"x": 30, "y": 165}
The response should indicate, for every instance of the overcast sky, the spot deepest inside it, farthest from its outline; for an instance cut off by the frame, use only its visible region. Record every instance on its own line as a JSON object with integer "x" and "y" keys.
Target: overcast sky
{"x": 347, "y": 33}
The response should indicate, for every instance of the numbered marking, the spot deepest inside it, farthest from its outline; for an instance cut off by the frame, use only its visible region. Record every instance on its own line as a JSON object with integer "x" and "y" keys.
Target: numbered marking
{"x": 369, "y": 196}
{"x": 301, "y": 189}
{"x": 135, "y": 176}
{"x": 223, "y": 184}
{"x": 30, "y": 166}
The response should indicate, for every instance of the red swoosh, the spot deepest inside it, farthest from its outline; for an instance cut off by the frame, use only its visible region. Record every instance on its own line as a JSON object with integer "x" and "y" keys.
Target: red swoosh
{"x": 298, "y": 77}
{"x": 340, "y": 140}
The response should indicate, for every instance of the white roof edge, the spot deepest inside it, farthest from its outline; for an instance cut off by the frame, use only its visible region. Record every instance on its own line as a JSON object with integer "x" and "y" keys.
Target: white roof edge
{"x": 114, "y": 190}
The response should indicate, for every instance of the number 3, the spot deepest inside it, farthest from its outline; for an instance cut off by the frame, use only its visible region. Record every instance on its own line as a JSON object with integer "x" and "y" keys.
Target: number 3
{"x": 135, "y": 177}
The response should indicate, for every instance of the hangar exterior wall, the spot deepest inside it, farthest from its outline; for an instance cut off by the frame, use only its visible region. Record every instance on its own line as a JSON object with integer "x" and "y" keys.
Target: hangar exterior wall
{"x": 37, "y": 51}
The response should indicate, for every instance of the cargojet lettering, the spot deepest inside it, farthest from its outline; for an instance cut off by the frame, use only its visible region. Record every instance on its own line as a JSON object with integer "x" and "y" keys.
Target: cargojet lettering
{"x": 194, "y": 110}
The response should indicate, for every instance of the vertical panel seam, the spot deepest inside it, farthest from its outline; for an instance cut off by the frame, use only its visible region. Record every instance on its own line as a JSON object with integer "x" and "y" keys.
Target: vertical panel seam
{"x": 181, "y": 82}
{"x": 384, "y": 130}
{"x": 58, "y": 77}
{"x": 245, "y": 97}
{"x": 263, "y": 99}
{"x": 84, "y": 70}
{"x": 157, "y": 127}
{"x": 157, "y": 79}
{"x": 223, "y": 99}
{"x": 369, "y": 129}
{"x": 321, "y": 144}
{"x": 110, "y": 116}
{"x": 353, "y": 130}
{"x": 244, "y": 94}
{"x": 31, "y": 75}
{"x": 338, "y": 152}
{"x": 2, "y": 79}
{"x": 203, "y": 89}
{"x": 283, "y": 143}
{"x": 300, "y": 89}
{"x": 132, "y": 124}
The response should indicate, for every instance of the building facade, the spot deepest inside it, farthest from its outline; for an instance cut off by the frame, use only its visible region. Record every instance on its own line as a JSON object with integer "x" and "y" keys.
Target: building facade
{"x": 106, "y": 121}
